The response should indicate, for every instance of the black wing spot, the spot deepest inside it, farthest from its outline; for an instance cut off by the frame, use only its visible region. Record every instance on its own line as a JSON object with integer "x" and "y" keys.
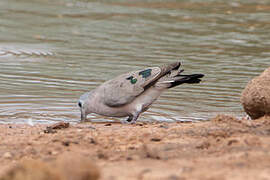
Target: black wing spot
{"x": 129, "y": 78}
{"x": 80, "y": 104}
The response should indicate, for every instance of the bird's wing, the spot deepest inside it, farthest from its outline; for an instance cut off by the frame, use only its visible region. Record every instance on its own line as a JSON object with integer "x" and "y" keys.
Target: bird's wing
{"x": 124, "y": 88}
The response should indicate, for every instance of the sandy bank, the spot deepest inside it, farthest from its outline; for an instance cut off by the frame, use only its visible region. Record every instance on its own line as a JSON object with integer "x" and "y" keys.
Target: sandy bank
{"x": 223, "y": 148}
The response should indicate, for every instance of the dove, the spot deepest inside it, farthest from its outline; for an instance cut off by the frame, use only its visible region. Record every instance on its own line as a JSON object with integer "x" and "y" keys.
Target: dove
{"x": 132, "y": 93}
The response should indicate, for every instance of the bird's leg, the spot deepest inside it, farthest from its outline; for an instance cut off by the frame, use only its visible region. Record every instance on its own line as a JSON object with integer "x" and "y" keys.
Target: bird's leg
{"x": 134, "y": 118}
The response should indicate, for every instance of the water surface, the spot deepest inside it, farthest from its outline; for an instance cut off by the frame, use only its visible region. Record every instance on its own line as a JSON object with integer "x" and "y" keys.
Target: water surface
{"x": 53, "y": 51}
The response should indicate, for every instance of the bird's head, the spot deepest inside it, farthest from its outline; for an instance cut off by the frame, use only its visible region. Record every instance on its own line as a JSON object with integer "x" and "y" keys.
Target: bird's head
{"x": 83, "y": 104}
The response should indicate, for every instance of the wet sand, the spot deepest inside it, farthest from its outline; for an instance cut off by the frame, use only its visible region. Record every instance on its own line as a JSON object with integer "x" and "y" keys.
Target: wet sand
{"x": 222, "y": 148}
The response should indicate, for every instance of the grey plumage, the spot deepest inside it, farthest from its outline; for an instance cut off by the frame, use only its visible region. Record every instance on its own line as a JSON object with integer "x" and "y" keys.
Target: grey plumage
{"x": 130, "y": 94}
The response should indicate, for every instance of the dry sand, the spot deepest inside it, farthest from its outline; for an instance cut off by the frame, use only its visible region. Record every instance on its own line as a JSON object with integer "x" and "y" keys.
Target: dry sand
{"x": 223, "y": 148}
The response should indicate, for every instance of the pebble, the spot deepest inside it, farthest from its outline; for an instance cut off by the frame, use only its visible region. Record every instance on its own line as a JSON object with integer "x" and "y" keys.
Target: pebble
{"x": 155, "y": 139}
{"x": 65, "y": 143}
{"x": 7, "y": 155}
{"x": 53, "y": 152}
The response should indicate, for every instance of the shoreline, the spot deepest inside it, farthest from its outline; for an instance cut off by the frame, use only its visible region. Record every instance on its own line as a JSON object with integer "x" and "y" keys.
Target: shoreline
{"x": 223, "y": 148}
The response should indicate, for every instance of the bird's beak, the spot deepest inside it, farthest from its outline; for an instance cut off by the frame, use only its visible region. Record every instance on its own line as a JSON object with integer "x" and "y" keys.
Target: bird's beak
{"x": 83, "y": 116}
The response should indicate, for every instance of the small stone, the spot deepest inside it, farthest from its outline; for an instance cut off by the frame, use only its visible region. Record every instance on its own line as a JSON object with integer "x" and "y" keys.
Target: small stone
{"x": 156, "y": 139}
{"x": 66, "y": 143}
{"x": 139, "y": 124}
{"x": 102, "y": 155}
{"x": 53, "y": 152}
{"x": 164, "y": 126}
{"x": 93, "y": 141}
{"x": 131, "y": 148}
{"x": 7, "y": 155}
{"x": 60, "y": 125}
{"x": 49, "y": 130}
{"x": 232, "y": 141}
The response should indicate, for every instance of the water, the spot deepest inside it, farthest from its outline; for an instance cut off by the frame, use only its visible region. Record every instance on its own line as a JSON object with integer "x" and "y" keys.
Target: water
{"x": 52, "y": 51}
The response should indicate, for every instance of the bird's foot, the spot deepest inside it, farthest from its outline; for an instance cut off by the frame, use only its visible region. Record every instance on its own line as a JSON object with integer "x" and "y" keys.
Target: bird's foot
{"x": 128, "y": 122}
{"x": 131, "y": 119}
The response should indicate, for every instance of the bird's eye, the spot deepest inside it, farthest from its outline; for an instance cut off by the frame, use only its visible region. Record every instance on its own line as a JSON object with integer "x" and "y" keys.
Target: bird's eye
{"x": 80, "y": 104}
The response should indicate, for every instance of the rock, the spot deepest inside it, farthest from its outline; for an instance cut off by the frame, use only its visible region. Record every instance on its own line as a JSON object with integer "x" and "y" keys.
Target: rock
{"x": 255, "y": 97}
{"x": 60, "y": 125}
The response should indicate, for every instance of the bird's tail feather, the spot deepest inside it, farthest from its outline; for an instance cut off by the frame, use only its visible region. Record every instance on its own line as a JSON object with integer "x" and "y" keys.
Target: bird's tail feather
{"x": 176, "y": 78}
{"x": 189, "y": 79}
